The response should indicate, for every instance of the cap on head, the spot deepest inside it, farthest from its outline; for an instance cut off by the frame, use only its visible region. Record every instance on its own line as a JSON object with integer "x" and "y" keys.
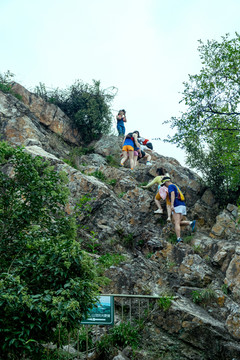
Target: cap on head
{"x": 136, "y": 132}
{"x": 165, "y": 179}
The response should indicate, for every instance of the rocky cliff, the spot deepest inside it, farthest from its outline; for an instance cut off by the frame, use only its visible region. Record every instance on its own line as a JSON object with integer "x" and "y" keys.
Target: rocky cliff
{"x": 202, "y": 275}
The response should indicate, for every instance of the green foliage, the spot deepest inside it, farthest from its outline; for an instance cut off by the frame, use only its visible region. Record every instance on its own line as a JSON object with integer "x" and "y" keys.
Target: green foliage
{"x": 112, "y": 182}
{"x": 83, "y": 206}
{"x": 196, "y": 296}
{"x": 209, "y": 128}
{"x": 99, "y": 175}
{"x": 76, "y": 153}
{"x": 121, "y": 194}
{"x": 128, "y": 241}
{"x": 188, "y": 239}
{"x": 88, "y": 106}
{"x": 46, "y": 279}
{"x": 172, "y": 238}
{"x": 225, "y": 289}
{"x": 6, "y": 84}
{"x": 112, "y": 161}
{"x": 120, "y": 336}
{"x": 107, "y": 260}
{"x": 111, "y": 259}
{"x": 144, "y": 183}
{"x": 165, "y": 302}
{"x": 204, "y": 296}
{"x": 198, "y": 250}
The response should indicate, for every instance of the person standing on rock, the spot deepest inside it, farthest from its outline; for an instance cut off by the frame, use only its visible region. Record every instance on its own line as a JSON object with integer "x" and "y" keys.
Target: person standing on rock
{"x": 161, "y": 173}
{"x": 178, "y": 207}
{"x": 130, "y": 144}
{"x": 121, "y": 119}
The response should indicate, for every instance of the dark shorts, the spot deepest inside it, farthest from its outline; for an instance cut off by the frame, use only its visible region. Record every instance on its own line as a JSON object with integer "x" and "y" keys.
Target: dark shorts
{"x": 143, "y": 154}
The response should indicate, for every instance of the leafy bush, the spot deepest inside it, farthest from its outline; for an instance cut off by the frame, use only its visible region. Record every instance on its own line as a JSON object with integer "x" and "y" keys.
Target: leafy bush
{"x": 119, "y": 336}
{"x": 86, "y": 105}
{"x": 46, "y": 279}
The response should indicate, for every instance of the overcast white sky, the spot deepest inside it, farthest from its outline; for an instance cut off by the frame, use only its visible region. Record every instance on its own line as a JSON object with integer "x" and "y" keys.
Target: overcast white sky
{"x": 145, "y": 48}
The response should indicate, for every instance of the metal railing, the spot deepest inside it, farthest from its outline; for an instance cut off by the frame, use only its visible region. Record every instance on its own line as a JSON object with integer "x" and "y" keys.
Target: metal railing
{"x": 128, "y": 307}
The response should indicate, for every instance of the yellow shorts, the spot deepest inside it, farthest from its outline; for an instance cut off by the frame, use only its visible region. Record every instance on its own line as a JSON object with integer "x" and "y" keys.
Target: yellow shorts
{"x": 158, "y": 197}
{"x": 127, "y": 148}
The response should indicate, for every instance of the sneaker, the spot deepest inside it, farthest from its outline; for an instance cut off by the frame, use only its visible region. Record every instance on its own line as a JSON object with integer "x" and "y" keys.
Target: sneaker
{"x": 193, "y": 225}
{"x": 158, "y": 211}
{"x": 179, "y": 240}
{"x": 148, "y": 163}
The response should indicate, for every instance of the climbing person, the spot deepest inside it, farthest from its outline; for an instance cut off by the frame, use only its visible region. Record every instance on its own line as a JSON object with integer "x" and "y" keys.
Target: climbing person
{"x": 145, "y": 155}
{"x": 146, "y": 142}
{"x": 121, "y": 119}
{"x": 130, "y": 144}
{"x": 158, "y": 180}
{"x": 143, "y": 146}
{"x": 178, "y": 207}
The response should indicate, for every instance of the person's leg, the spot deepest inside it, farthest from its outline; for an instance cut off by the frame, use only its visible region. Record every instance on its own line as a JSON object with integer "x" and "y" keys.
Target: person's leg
{"x": 157, "y": 202}
{"x": 177, "y": 220}
{"x": 131, "y": 159}
{"x": 119, "y": 129}
{"x": 124, "y": 157}
{"x": 169, "y": 212}
{"x": 148, "y": 157}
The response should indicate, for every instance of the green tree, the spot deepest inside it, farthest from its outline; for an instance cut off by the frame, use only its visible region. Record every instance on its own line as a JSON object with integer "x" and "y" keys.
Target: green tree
{"x": 46, "y": 279}
{"x": 88, "y": 106}
{"x": 209, "y": 128}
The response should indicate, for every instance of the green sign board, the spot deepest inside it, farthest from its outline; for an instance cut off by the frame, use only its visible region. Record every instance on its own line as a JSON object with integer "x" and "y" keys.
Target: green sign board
{"x": 102, "y": 313}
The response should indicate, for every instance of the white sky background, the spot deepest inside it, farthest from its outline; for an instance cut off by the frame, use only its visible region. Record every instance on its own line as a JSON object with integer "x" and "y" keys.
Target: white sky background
{"x": 145, "y": 48}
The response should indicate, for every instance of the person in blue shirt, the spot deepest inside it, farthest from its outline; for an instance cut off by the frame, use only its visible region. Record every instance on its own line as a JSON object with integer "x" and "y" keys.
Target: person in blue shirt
{"x": 178, "y": 207}
{"x": 121, "y": 119}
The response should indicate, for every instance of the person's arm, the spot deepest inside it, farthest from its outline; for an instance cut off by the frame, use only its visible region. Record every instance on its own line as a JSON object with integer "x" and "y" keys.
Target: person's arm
{"x": 124, "y": 119}
{"x": 150, "y": 184}
{"x": 172, "y": 194}
{"x": 136, "y": 140}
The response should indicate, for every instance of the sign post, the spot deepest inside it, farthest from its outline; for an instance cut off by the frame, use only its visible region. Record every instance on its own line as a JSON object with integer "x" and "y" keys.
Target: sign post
{"x": 102, "y": 313}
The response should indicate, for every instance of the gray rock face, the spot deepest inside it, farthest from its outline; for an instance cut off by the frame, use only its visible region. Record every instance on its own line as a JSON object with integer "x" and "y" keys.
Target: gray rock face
{"x": 116, "y": 216}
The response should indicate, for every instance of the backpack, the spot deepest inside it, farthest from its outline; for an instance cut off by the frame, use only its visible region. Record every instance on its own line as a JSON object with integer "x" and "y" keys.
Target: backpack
{"x": 180, "y": 195}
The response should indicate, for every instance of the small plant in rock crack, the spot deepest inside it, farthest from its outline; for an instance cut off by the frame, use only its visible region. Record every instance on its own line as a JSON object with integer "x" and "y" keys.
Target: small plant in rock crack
{"x": 112, "y": 182}
{"x": 172, "y": 239}
{"x": 108, "y": 260}
{"x": 170, "y": 264}
{"x": 188, "y": 239}
{"x": 128, "y": 241}
{"x": 165, "y": 302}
{"x": 225, "y": 289}
{"x": 204, "y": 296}
{"x": 121, "y": 194}
{"x": 198, "y": 250}
{"x": 99, "y": 175}
{"x": 112, "y": 161}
